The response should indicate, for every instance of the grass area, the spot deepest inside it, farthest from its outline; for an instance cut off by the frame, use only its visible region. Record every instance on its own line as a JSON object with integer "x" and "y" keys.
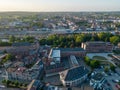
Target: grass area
{"x": 99, "y": 58}
{"x": 105, "y": 62}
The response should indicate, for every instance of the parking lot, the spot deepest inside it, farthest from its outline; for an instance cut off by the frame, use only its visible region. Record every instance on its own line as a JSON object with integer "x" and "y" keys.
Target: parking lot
{"x": 111, "y": 80}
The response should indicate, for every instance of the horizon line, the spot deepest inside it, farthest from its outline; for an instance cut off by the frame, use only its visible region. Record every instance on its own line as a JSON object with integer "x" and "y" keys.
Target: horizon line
{"x": 64, "y": 11}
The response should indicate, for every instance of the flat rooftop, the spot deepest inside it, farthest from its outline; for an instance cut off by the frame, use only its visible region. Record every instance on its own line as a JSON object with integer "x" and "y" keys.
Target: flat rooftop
{"x": 55, "y": 53}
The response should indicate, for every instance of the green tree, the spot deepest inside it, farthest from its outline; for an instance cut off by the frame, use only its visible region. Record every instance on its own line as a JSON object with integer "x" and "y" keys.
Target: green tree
{"x": 11, "y": 39}
{"x": 104, "y": 36}
{"x": 80, "y": 39}
{"x": 94, "y": 63}
{"x": 8, "y": 82}
{"x": 87, "y": 60}
{"x": 114, "y": 40}
{"x": 106, "y": 69}
{"x": 112, "y": 67}
{"x": 4, "y": 81}
{"x": 9, "y": 57}
{"x": 92, "y": 39}
{"x": 28, "y": 39}
{"x": 16, "y": 83}
{"x": 101, "y": 36}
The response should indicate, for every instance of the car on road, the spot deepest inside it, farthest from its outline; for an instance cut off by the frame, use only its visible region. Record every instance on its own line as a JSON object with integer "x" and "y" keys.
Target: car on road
{"x": 116, "y": 81}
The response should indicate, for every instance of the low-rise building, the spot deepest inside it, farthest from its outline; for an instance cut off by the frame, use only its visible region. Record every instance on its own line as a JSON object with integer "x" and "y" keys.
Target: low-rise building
{"x": 56, "y": 53}
{"x": 22, "y": 47}
{"x": 74, "y": 76}
{"x": 80, "y": 52}
{"x": 56, "y": 62}
{"x": 23, "y": 74}
{"x": 97, "y": 47}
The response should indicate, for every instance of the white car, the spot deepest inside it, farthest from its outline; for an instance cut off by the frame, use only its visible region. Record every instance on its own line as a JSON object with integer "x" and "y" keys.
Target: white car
{"x": 2, "y": 86}
{"x": 116, "y": 81}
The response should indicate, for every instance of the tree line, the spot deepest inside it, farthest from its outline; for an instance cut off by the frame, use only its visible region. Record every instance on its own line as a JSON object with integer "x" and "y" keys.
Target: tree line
{"x": 75, "y": 40}
{"x": 12, "y": 39}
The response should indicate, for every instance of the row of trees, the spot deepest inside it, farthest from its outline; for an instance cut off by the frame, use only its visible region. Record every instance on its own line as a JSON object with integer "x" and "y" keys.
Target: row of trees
{"x": 15, "y": 84}
{"x": 112, "y": 68}
{"x": 5, "y": 43}
{"x": 75, "y": 40}
{"x": 13, "y": 39}
{"x": 95, "y": 63}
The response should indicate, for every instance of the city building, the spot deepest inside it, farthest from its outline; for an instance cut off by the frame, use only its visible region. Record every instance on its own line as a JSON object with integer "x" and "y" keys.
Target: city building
{"x": 74, "y": 76}
{"x": 97, "y": 47}
{"x": 17, "y": 71}
{"x": 80, "y": 52}
{"x": 55, "y": 55}
{"x": 74, "y": 61}
{"x": 22, "y": 48}
{"x": 56, "y": 62}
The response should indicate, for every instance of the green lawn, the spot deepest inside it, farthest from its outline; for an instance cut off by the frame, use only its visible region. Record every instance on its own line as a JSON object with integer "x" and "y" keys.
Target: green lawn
{"x": 99, "y": 58}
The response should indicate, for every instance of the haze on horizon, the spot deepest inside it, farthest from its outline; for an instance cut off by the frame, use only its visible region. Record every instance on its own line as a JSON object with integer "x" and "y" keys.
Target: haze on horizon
{"x": 59, "y": 5}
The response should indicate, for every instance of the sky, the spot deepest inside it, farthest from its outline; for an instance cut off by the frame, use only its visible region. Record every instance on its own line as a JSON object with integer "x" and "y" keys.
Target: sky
{"x": 59, "y": 5}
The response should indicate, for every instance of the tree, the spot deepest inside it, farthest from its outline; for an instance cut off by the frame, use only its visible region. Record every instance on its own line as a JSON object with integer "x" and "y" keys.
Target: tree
{"x": 8, "y": 82}
{"x": 87, "y": 60}
{"x": 4, "y": 81}
{"x": 16, "y": 83}
{"x": 9, "y": 57}
{"x": 114, "y": 40}
{"x": 112, "y": 67}
{"x": 92, "y": 39}
{"x": 21, "y": 84}
{"x": 5, "y": 44}
{"x": 104, "y": 36}
{"x": 94, "y": 63}
{"x": 80, "y": 39}
{"x": 4, "y": 51}
{"x": 106, "y": 69}
{"x": 28, "y": 39}
{"x": 11, "y": 39}
{"x": 101, "y": 36}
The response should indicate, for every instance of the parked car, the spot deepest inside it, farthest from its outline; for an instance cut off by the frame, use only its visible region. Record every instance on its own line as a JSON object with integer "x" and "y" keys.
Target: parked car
{"x": 2, "y": 86}
{"x": 118, "y": 86}
{"x": 0, "y": 72}
{"x": 116, "y": 81}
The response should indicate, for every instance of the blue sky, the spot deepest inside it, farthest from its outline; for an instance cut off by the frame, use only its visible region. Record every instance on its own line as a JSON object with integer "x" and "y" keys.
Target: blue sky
{"x": 59, "y": 5}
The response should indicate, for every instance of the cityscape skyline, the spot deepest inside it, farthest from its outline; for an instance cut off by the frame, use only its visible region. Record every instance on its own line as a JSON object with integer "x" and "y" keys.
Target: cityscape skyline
{"x": 59, "y": 5}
